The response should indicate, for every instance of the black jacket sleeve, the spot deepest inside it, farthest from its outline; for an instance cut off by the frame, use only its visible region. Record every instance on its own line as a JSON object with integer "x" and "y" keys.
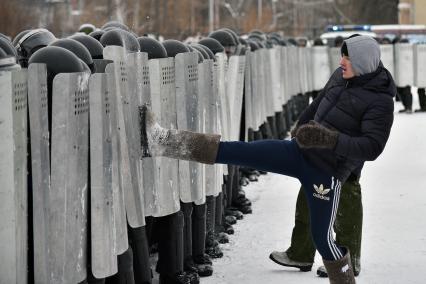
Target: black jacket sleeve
{"x": 375, "y": 128}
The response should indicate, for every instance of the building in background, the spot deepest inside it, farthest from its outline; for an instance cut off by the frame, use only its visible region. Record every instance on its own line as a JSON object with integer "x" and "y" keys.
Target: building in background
{"x": 182, "y": 18}
{"x": 412, "y": 12}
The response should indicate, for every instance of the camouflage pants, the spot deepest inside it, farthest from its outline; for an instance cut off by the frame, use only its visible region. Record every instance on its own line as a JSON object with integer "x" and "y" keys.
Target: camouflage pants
{"x": 348, "y": 226}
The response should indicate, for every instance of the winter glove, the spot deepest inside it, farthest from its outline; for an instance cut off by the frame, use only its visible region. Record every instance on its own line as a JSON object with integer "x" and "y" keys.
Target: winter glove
{"x": 314, "y": 135}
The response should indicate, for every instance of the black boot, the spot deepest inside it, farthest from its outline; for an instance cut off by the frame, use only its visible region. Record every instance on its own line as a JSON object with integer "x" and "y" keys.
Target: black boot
{"x": 186, "y": 209}
{"x": 170, "y": 249}
{"x": 234, "y": 212}
{"x": 125, "y": 269}
{"x": 202, "y": 269}
{"x": 199, "y": 228}
{"x": 179, "y": 278}
{"x": 212, "y": 246}
{"x": 141, "y": 265}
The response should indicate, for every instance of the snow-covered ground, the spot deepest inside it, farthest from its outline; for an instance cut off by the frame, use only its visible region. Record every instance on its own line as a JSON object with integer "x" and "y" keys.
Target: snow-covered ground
{"x": 394, "y": 231}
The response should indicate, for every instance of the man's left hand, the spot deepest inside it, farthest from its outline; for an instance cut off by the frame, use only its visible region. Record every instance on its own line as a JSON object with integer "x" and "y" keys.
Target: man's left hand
{"x": 314, "y": 135}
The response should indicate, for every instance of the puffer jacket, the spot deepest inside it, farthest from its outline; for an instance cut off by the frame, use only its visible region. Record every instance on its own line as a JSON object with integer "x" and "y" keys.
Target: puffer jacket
{"x": 361, "y": 110}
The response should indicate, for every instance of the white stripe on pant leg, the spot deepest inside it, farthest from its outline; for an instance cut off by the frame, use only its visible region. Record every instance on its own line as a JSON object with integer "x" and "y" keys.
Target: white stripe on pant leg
{"x": 337, "y": 195}
{"x": 329, "y": 234}
{"x": 330, "y": 243}
{"x": 329, "y": 226}
{"x": 333, "y": 218}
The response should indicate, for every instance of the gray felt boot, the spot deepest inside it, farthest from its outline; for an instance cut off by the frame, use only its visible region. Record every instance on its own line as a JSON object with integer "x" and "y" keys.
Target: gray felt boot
{"x": 177, "y": 144}
{"x": 340, "y": 271}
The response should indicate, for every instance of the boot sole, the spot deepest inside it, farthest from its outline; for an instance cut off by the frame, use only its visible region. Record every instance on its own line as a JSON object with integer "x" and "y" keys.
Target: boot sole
{"x": 302, "y": 268}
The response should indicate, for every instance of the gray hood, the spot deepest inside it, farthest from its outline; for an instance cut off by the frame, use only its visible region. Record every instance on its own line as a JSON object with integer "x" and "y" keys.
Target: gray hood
{"x": 364, "y": 54}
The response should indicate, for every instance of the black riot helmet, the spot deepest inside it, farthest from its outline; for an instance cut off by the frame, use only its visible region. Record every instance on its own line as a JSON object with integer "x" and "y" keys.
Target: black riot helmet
{"x": 93, "y": 46}
{"x": 214, "y": 45}
{"x": 253, "y": 45}
{"x": 153, "y": 47}
{"x": 232, "y": 33}
{"x": 199, "y": 48}
{"x": 292, "y": 41}
{"x": 97, "y": 34}
{"x": 224, "y": 37}
{"x": 7, "y": 46}
{"x": 57, "y": 60}
{"x": 7, "y": 61}
{"x": 174, "y": 47}
{"x": 258, "y": 32}
{"x": 275, "y": 40}
{"x": 115, "y": 24}
{"x": 5, "y": 37}
{"x": 206, "y": 49}
{"x": 78, "y": 49}
{"x": 257, "y": 37}
{"x": 199, "y": 54}
{"x": 86, "y": 28}
{"x": 122, "y": 38}
{"x": 19, "y": 36}
{"x": 228, "y": 40}
{"x": 30, "y": 42}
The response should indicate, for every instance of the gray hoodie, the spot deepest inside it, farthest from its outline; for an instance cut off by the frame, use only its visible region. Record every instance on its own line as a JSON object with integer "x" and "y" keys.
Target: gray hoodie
{"x": 364, "y": 54}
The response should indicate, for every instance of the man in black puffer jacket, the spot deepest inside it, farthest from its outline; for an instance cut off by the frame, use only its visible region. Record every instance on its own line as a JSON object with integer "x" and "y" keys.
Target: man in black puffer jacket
{"x": 359, "y": 108}
{"x": 351, "y": 123}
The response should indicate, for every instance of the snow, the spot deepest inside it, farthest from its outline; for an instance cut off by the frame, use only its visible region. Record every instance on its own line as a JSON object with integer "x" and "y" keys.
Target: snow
{"x": 394, "y": 231}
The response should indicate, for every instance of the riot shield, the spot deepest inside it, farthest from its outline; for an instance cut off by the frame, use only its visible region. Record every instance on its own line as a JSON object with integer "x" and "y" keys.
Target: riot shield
{"x": 223, "y": 107}
{"x": 248, "y": 107}
{"x": 320, "y": 66}
{"x": 217, "y": 127}
{"x": 387, "y": 58}
{"x": 40, "y": 170}
{"x": 189, "y": 101}
{"x": 256, "y": 101}
{"x": 404, "y": 64}
{"x": 293, "y": 68}
{"x": 135, "y": 77}
{"x": 140, "y": 94}
{"x": 69, "y": 178}
{"x": 127, "y": 135}
{"x": 309, "y": 69}
{"x": 420, "y": 66}
{"x": 13, "y": 177}
{"x": 103, "y": 245}
{"x": 163, "y": 100}
{"x": 335, "y": 56}
{"x": 267, "y": 69}
{"x": 284, "y": 75}
{"x": 209, "y": 106}
{"x": 235, "y": 88}
{"x": 121, "y": 238}
{"x": 302, "y": 69}
{"x": 275, "y": 63}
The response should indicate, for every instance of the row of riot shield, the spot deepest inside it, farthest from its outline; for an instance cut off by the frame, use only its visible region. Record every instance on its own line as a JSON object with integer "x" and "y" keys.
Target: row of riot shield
{"x": 275, "y": 75}
{"x": 81, "y": 134}
{"x": 409, "y": 66}
{"x": 85, "y": 155}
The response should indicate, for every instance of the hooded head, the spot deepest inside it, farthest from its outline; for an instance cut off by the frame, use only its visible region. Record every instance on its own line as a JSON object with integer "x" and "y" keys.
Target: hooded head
{"x": 363, "y": 53}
